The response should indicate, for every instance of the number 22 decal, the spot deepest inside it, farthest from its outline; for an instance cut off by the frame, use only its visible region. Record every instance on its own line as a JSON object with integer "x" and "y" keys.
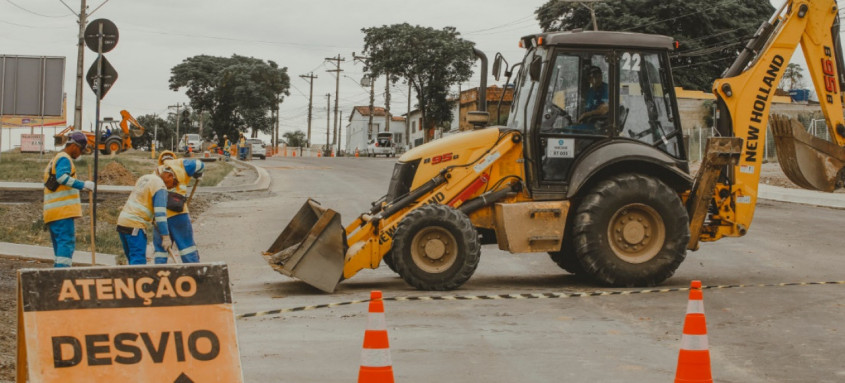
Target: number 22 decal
{"x": 631, "y": 61}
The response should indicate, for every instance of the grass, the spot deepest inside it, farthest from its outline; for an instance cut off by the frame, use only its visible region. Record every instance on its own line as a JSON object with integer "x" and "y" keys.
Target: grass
{"x": 29, "y": 167}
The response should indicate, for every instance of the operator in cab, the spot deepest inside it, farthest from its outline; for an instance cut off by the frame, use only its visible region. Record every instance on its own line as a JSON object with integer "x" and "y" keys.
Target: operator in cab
{"x": 596, "y": 99}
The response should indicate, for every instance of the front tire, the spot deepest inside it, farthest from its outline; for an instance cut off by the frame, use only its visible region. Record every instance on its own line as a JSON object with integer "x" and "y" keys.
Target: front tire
{"x": 631, "y": 230}
{"x": 113, "y": 145}
{"x": 436, "y": 248}
{"x": 566, "y": 258}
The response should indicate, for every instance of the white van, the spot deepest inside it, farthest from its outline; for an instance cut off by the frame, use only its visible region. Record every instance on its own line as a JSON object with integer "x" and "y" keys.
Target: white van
{"x": 382, "y": 145}
{"x": 192, "y": 141}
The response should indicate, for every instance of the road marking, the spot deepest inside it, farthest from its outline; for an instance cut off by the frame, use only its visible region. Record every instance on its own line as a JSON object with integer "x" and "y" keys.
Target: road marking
{"x": 526, "y": 296}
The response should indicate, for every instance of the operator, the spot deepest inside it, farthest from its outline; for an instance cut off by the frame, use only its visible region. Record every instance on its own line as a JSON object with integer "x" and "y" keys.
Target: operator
{"x": 147, "y": 204}
{"x": 596, "y": 99}
{"x": 61, "y": 198}
{"x": 178, "y": 221}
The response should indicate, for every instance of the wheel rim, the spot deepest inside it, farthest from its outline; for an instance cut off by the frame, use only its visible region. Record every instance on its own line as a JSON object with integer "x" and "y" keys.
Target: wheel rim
{"x": 434, "y": 249}
{"x": 636, "y": 233}
{"x": 114, "y": 147}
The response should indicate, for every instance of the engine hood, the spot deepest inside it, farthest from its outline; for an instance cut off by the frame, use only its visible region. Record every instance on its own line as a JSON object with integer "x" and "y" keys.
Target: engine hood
{"x": 464, "y": 141}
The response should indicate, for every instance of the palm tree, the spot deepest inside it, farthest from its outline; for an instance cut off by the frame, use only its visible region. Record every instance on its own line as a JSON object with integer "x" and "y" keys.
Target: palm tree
{"x": 295, "y": 139}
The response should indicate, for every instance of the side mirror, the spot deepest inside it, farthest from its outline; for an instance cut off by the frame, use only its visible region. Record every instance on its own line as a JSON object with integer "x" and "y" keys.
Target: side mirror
{"x": 535, "y": 68}
{"x": 497, "y": 66}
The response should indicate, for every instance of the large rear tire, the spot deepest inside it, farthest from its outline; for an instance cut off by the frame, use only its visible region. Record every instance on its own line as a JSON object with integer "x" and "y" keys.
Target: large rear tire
{"x": 566, "y": 258}
{"x": 631, "y": 230}
{"x": 114, "y": 145}
{"x": 436, "y": 248}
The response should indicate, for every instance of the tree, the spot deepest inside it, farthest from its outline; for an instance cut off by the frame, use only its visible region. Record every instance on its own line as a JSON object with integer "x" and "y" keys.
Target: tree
{"x": 431, "y": 60}
{"x": 239, "y": 92}
{"x": 154, "y": 127}
{"x": 295, "y": 139}
{"x": 711, "y": 33}
{"x": 792, "y": 75}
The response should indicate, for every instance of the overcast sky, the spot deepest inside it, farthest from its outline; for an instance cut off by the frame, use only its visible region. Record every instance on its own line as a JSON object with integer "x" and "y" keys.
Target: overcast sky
{"x": 156, "y": 35}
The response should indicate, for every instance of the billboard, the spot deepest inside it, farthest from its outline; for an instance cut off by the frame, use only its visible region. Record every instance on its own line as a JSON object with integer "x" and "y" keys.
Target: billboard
{"x": 31, "y": 85}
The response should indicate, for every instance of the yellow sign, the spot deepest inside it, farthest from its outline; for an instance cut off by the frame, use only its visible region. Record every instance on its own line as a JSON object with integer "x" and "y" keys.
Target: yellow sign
{"x": 132, "y": 324}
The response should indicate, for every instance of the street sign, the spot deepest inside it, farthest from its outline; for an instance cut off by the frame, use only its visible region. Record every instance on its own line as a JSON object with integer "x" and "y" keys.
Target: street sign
{"x": 92, "y": 34}
{"x": 127, "y": 324}
{"x": 108, "y": 78}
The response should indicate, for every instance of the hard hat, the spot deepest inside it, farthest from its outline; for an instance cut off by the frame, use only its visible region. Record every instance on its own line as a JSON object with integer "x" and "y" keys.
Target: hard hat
{"x": 165, "y": 155}
{"x": 79, "y": 139}
{"x": 225, "y": 136}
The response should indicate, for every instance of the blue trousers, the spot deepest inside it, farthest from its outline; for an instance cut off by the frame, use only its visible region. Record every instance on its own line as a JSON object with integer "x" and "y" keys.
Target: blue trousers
{"x": 63, "y": 235}
{"x": 182, "y": 234}
{"x": 242, "y": 153}
{"x": 135, "y": 247}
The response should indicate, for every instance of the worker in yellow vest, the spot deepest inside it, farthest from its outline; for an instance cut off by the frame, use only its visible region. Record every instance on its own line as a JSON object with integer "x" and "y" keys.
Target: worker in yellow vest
{"x": 178, "y": 220}
{"x": 61, "y": 198}
{"x": 242, "y": 148}
{"x": 227, "y": 147}
{"x": 147, "y": 204}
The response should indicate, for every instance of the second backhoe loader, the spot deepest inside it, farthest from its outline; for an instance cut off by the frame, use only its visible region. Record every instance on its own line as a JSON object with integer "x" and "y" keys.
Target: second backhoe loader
{"x": 591, "y": 166}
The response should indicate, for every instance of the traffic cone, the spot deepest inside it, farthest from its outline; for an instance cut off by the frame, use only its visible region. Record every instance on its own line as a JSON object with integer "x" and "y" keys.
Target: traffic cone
{"x": 375, "y": 357}
{"x": 694, "y": 358}
{"x": 356, "y": 152}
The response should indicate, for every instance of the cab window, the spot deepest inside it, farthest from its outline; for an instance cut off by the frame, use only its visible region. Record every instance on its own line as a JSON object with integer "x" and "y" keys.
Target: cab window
{"x": 645, "y": 102}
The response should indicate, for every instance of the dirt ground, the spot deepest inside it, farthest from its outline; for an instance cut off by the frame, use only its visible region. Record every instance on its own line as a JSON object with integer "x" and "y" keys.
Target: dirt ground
{"x": 116, "y": 174}
{"x": 8, "y": 313}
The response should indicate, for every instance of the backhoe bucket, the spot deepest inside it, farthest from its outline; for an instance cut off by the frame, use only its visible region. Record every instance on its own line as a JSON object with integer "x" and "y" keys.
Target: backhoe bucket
{"x": 311, "y": 247}
{"x": 808, "y": 161}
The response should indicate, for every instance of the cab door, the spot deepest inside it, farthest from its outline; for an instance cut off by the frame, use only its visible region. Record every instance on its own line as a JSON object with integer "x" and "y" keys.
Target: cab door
{"x": 576, "y": 112}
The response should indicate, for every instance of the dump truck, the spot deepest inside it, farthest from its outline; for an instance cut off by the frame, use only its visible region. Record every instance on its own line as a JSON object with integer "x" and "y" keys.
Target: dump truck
{"x": 115, "y": 136}
{"x": 591, "y": 166}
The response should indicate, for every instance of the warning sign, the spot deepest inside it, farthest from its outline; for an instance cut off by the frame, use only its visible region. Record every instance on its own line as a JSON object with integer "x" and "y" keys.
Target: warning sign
{"x": 132, "y": 324}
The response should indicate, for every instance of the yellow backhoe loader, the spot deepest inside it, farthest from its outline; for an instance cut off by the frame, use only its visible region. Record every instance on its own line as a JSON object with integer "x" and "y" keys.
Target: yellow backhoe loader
{"x": 591, "y": 166}
{"x": 115, "y": 138}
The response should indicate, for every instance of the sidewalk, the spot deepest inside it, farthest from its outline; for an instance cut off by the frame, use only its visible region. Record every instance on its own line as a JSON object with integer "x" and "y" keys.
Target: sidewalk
{"x": 806, "y": 197}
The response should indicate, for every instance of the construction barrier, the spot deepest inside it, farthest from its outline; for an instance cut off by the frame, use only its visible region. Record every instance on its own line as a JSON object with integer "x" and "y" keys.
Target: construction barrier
{"x": 376, "y": 366}
{"x": 694, "y": 357}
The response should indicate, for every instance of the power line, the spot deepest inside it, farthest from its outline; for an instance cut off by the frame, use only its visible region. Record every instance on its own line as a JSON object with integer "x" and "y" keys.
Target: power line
{"x": 33, "y": 12}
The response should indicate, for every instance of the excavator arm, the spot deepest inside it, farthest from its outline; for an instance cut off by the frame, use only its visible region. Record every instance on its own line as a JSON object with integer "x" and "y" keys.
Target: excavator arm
{"x": 724, "y": 194}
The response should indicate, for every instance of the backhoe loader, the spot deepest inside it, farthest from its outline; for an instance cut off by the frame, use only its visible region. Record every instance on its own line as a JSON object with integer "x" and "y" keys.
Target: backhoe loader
{"x": 112, "y": 140}
{"x": 591, "y": 166}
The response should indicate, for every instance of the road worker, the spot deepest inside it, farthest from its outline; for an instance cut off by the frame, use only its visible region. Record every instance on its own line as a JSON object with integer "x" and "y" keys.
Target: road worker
{"x": 146, "y": 204}
{"x": 61, "y": 198}
{"x": 227, "y": 147}
{"x": 242, "y": 149}
{"x": 179, "y": 221}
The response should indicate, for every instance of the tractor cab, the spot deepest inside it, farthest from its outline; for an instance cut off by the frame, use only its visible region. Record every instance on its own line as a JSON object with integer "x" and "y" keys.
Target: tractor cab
{"x": 585, "y": 99}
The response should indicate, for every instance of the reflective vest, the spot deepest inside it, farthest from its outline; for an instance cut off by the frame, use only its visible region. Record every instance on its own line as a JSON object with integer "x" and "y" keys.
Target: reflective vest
{"x": 138, "y": 210}
{"x": 64, "y": 202}
{"x": 178, "y": 167}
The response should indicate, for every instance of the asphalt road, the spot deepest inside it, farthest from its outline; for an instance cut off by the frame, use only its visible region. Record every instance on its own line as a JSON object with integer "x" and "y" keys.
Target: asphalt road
{"x": 756, "y": 334}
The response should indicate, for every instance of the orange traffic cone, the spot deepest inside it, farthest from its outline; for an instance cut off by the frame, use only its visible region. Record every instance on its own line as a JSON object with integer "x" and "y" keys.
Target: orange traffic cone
{"x": 356, "y": 152}
{"x": 694, "y": 358}
{"x": 375, "y": 357}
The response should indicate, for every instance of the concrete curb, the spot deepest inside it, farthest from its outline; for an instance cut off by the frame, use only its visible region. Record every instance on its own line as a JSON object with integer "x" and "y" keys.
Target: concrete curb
{"x": 43, "y": 253}
{"x": 806, "y": 197}
{"x": 262, "y": 183}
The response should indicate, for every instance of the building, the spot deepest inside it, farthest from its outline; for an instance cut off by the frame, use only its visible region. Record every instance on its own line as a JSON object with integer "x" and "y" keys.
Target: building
{"x": 359, "y": 133}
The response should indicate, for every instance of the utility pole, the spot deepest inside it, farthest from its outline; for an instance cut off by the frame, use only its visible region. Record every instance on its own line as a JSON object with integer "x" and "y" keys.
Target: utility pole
{"x": 587, "y": 4}
{"x": 80, "y": 58}
{"x": 364, "y": 81}
{"x": 328, "y": 121}
{"x": 337, "y": 61}
{"x": 408, "y": 118}
{"x": 178, "y": 117}
{"x": 339, "y": 133}
{"x": 310, "y": 78}
{"x": 387, "y": 103}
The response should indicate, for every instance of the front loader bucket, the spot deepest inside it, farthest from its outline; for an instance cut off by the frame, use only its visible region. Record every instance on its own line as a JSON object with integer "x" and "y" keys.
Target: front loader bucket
{"x": 311, "y": 247}
{"x": 808, "y": 161}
